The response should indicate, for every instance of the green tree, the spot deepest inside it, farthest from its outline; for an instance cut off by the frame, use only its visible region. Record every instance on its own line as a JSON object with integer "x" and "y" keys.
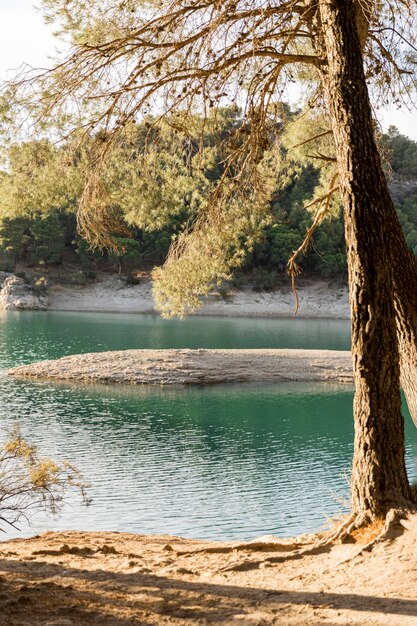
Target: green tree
{"x": 47, "y": 239}
{"x": 15, "y": 237}
{"x": 125, "y": 252}
{"x": 402, "y": 154}
{"x": 39, "y": 176}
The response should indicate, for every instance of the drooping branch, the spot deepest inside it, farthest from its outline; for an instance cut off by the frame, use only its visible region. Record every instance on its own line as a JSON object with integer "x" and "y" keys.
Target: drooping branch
{"x": 292, "y": 267}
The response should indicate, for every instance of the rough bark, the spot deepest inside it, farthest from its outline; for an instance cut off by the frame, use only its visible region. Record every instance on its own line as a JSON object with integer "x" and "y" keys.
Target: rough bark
{"x": 404, "y": 281}
{"x": 379, "y": 478}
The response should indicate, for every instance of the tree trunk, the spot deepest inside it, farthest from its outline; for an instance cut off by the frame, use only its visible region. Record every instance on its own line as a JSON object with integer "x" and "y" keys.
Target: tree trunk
{"x": 379, "y": 478}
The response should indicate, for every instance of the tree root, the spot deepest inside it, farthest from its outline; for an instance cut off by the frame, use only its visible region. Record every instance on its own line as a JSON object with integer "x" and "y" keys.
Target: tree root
{"x": 311, "y": 545}
{"x": 247, "y": 546}
{"x": 392, "y": 528}
{"x": 343, "y": 530}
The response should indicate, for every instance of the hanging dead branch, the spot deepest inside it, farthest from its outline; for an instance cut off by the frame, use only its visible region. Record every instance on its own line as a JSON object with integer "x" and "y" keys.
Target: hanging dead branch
{"x": 293, "y": 268}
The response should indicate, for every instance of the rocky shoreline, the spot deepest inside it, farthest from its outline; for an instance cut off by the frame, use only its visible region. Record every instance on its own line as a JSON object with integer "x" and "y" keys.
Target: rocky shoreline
{"x": 317, "y": 300}
{"x": 194, "y": 367}
{"x": 17, "y": 295}
{"x": 110, "y": 294}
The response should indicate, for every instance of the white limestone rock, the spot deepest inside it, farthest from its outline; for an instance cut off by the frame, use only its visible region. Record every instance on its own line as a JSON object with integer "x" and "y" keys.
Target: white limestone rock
{"x": 16, "y": 295}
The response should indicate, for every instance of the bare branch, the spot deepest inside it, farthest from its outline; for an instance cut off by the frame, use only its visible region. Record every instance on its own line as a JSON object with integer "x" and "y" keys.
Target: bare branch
{"x": 292, "y": 267}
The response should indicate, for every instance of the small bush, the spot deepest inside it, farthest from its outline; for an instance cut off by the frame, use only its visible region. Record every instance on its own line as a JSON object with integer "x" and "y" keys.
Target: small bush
{"x": 239, "y": 280}
{"x": 74, "y": 279}
{"x": 223, "y": 290}
{"x": 264, "y": 280}
{"x": 30, "y": 483}
{"x": 133, "y": 278}
{"x": 90, "y": 274}
{"x": 40, "y": 285}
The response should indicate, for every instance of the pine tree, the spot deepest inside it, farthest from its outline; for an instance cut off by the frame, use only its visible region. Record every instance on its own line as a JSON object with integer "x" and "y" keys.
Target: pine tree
{"x": 176, "y": 57}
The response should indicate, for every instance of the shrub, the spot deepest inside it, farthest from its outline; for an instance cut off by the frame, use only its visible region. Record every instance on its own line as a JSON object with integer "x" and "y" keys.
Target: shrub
{"x": 90, "y": 274}
{"x": 133, "y": 278}
{"x": 40, "y": 285}
{"x": 29, "y": 483}
{"x": 223, "y": 290}
{"x": 239, "y": 280}
{"x": 264, "y": 280}
{"x": 73, "y": 279}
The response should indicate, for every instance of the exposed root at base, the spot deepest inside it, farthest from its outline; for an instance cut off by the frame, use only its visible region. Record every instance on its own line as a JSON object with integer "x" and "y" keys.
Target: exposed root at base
{"x": 388, "y": 528}
{"x": 392, "y": 528}
{"x": 344, "y": 529}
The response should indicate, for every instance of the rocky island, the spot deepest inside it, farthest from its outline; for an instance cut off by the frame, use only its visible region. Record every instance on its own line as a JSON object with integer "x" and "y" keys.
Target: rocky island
{"x": 195, "y": 367}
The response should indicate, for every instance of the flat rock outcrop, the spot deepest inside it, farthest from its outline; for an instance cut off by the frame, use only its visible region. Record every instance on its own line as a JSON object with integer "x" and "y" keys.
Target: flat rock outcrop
{"x": 195, "y": 367}
{"x": 15, "y": 294}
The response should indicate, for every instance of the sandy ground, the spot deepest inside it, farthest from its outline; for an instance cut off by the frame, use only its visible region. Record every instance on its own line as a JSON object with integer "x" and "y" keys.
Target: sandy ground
{"x": 77, "y": 578}
{"x": 317, "y": 300}
{"x": 195, "y": 367}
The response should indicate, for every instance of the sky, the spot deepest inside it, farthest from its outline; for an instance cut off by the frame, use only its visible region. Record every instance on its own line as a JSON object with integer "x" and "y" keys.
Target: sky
{"x": 24, "y": 38}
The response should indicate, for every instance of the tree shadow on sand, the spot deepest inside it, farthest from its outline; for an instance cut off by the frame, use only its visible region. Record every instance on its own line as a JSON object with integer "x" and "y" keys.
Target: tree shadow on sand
{"x": 32, "y": 592}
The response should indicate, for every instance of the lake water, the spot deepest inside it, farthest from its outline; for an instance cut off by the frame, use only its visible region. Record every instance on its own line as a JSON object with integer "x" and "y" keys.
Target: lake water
{"x": 224, "y": 462}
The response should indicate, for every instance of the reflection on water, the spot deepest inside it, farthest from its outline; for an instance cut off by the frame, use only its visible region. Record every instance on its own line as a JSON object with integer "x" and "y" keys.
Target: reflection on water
{"x": 234, "y": 461}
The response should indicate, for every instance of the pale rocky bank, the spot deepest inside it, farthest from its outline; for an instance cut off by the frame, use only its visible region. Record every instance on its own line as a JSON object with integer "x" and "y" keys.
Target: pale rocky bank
{"x": 317, "y": 299}
{"x": 17, "y": 295}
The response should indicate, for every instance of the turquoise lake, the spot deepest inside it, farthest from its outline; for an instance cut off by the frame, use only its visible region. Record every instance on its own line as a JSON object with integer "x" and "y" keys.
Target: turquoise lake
{"x": 223, "y": 462}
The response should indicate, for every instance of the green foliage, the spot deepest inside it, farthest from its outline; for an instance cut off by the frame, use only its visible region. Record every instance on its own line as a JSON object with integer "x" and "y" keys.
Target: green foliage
{"x": 217, "y": 245}
{"x": 402, "y": 154}
{"x": 87, "y": 255}
{"x": 154, "y": 185}
{"x": 126, "y": 252}
{"x": 39, "y": 178}
{"x": 47, "y": 240}
{"x": 407, "y": 213}
{"x": 15, "y": 237}
{"x": 35, "y": 240}
{"x": 158, "y": 192}
{"x": 263, "y": 279}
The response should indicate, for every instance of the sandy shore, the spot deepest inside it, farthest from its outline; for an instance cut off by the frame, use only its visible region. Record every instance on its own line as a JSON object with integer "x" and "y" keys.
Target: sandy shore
{"x": 118, "y": 579}
{"x": 109, "y": 294}
{"x": 195, "y": 367}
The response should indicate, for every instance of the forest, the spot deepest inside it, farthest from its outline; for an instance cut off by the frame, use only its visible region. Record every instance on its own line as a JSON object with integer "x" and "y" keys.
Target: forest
{"x": 157, "y": 193}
